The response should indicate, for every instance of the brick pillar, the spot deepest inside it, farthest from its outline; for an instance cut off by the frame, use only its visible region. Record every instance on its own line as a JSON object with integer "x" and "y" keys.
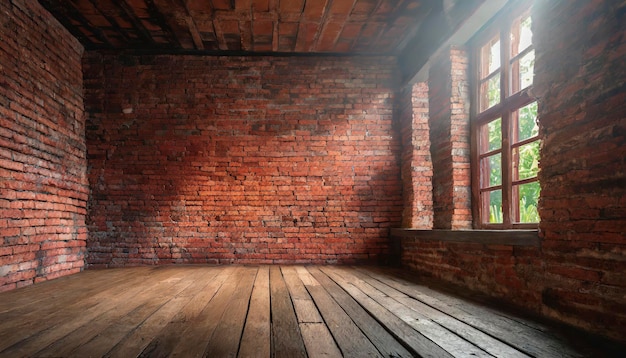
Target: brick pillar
{"x": 417, "y": 168}
{"x": 449, "y": 135}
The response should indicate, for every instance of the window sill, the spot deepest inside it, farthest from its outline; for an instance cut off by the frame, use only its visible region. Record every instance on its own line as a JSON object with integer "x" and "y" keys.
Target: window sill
{"x": 485, "y": 237}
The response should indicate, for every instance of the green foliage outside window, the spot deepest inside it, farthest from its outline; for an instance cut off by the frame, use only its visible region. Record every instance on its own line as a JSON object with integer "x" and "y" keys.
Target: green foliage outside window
{"x": 528, "y": 166}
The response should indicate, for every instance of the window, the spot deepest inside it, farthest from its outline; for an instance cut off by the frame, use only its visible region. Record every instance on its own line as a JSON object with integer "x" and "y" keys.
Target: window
{"x": 505, "y": 133}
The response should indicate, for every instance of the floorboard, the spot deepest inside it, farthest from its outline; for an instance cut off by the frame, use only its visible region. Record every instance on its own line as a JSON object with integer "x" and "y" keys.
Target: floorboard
{"x": 269, "y": 311}
{"x": 256, "y": 338}
{"x": 286, "y": 337}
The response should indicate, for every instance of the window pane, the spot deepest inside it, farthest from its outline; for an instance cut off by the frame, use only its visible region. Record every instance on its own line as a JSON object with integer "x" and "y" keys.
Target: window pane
{"x": 491, "y": 168}
{"x": 526, "y": 161}
{"x": 522, "y": 72}
{"x": 490, "y": 57}
{"x": 528, "y": 198}
{"x": 492, "y": 202}
{"x": 521, "y": 35}
{"x": 490, "y": 92}
{"x": 494, "y": 131}
{"x": 494, "y": 56}
{"x": 526, "y": 122}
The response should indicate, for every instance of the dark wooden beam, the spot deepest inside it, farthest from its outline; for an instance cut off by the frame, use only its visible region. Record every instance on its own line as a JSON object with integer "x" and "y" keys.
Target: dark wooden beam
{"x": 68, "y": 13}
{"x": 160, "y": 19}
{"x": 273, "y": 7}
{"x": 177, "y": 19}
{"x": 111, "y": 18}
{"x": 191, "y": 25}
{"x": 130, "y": 15}
{"x": 245, "y": 23}
{"x": 314, "y": 46}
{"x": 334, "y": 21}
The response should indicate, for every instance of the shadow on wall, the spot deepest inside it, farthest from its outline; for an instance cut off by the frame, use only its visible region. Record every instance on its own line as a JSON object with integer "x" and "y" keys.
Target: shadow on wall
{"x": 242, "y": 174}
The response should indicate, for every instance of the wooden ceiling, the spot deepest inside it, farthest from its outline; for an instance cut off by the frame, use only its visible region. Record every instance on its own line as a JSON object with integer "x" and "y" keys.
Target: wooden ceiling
{"x": 378, "y": 27}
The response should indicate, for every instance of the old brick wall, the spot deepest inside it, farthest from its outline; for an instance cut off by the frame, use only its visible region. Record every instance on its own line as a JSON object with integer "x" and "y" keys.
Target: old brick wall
{"x": 577, "y": 274}
{"x": 503, "y": 271}
{"x": 449, "y": 134}
{"x": 580, "y": 80}
{"x": 240, "y": 159}
{"x": 417, "y": 170}
{"x": 43, "y": 185}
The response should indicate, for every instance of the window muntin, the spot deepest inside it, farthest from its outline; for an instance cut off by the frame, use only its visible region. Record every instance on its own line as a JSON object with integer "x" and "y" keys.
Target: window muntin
{"x": 504, "y": 126}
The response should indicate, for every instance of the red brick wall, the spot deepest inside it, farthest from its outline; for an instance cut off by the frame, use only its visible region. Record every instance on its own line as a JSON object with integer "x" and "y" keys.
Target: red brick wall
{"x": 498, "y": 270}
{"x": 449, "y": 135}
{"x": 240, "y": 159}
{"x": 417, "y": 171}
{"x": 580, "y": 80}
{"x": 43, "y": 185}
{"x": 577, "y": 275}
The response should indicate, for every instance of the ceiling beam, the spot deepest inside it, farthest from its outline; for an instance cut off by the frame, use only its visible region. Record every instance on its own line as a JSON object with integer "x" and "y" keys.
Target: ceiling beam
{"x": 130, "y": 15}
{"x": 334, "y": 21}
{"x": 273, "y": 6}
{"x": 191, "y": 25}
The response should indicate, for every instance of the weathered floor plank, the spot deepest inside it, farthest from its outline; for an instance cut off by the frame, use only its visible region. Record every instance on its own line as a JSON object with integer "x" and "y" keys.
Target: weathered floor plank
{"x": 133, "y": 344}
{"x": 80, "y": 336}
{"x": 382, "y": 339}
{"x": 163, "y": 343}
{"x": 256, "y": 338}
{"x": 418, "y": 343}
{"x": 30, "y": 320}
{"x": 286, "y": 337}
{"x": 530, "y": 337}
{"x": 99, "y": 345}
{"x": 317, "y": 338}
{"x": 480, "y": 339}
{"x": 226, "y": 337}
{"x": 46, "y": 329}
{"x": 198, "y": 331}
{"x": 279, "y": 311}
{"x": 350, "y": 339}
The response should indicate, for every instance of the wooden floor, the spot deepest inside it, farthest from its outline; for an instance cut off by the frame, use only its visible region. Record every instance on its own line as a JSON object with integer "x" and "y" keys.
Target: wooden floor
{"x": 246, "y": 311}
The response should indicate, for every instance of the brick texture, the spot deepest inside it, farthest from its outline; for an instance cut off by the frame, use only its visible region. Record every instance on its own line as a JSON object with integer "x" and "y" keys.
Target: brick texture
{"x": 499, "y": 270}
{"x": 449, "y": 136}
{"x": 417, "y": 171}
{"x": 43, "y": 187}
{"x": 577, "y": 273}
{"x": 582, "y": 110}
{"x": 240, "y": 159}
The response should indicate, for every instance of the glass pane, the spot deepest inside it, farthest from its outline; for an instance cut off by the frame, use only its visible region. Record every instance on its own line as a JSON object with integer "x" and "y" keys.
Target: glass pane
{"x": 528, "y": 198}
{"x": 521, "y": 35}
{"x": 495, "y": 134}
{"x": 491, "y": 168}
{"x": 526, "y": 161}
{"x": 492, "y": 201}
{"x": 490, "y": 92}
{"x": 527, "y": 126}
{"x": 522, "y": 72}
{"x": 492, "y": 56}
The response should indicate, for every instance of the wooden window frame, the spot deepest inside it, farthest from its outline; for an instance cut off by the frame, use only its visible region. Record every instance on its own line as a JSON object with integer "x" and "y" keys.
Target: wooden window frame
{"x": 509, "y": 103}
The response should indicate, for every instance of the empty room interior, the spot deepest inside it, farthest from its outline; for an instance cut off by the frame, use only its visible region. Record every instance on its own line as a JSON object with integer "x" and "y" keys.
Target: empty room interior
{"x": 308, "y": 178}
